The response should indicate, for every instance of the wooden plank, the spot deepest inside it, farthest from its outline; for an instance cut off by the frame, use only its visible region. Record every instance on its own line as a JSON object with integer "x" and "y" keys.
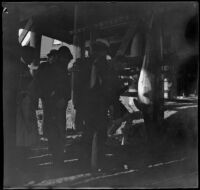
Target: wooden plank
{"x": 74, "y": 42}
{"x": 26, "y": 30}
{"x": 104, "y": 24}
{"x": 94, "y": 156}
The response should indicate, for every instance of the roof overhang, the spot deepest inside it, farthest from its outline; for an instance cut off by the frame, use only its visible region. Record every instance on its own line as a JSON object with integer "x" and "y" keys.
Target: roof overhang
{"x": 56, "y": 19}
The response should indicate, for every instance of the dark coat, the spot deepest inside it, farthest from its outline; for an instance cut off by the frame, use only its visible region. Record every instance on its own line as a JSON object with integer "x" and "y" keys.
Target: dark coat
{"x": 100, "y": 96}
{"x": 53, "y": 83}
{"x": 26, "y": 122}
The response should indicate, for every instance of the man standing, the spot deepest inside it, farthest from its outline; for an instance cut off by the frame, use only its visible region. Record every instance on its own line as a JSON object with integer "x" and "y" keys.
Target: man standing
{"x": 52, "y": 56}
{"x": 26, "y": 121}
{"x": 54, "y": 89}
{"x": 96, "y": 91}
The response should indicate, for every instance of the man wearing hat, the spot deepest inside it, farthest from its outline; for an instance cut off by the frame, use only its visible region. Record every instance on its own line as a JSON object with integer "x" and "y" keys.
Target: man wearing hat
{"x": 52, "y": 56}
{"x": 96, "y": 91}
{"x": 26, "y": 122}
{"x": 54, "y": 87}
{"x": 44, "y": 69}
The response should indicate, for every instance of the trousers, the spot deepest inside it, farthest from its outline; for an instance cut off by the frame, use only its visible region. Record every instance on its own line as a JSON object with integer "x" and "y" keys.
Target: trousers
{"x": 95, "y": 132}
{"x": 55, "y": 129}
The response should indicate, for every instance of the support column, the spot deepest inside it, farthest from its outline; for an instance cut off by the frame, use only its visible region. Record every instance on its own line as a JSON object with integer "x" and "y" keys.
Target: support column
{"x": 158, "y": 110}
{"x": 95, "y": 150}
{"x": 160, "y": 83}
{"x": 75, "y": 42}
{"x": 82, "y": 45}
{"x": 173, "y": 72}
{"x": 92, "y": 38}
{"x": 35, "y": 42}
{"x": 149, "y": 91}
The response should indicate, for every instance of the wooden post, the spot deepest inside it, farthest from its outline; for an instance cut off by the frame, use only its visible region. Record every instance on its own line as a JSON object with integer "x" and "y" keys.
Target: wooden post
{"x": 83, "y": 37}
{"x": 82, "y": 44}
{"x": 146, "y": 82}
{"x": 35, "y": 42}
{"x": 158, "y": 110}
{"x": 92, "y": 38}
{"x": 95, "y": 152}
{"x": 174, "y": 73}
{"x": 95, "y": 147}
{"x": 160, "y": 83}
{"x": 26, "y": 30}
{"x": 75, "y": 43}
{"x": 11, "y": 61}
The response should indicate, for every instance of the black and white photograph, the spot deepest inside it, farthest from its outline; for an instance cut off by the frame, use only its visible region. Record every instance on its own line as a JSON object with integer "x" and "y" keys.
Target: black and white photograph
{"x": 100, "y": 94}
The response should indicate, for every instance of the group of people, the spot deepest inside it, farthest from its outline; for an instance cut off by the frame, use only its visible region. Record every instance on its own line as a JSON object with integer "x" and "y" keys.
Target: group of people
{"x": 51, "y": 83}
{"x": 96, "y": 88}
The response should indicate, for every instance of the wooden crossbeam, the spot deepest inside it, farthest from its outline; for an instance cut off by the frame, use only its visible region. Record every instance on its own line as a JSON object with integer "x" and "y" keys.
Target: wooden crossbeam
{"x": 25, "y": 30}
{"x": 104, "y": 24}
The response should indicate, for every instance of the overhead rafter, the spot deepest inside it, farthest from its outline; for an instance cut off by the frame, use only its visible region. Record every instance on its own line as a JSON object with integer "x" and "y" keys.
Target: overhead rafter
{"x": 105, "y": 24}
{"x": 26, "y": 29}
{"x": 60, "y": 15}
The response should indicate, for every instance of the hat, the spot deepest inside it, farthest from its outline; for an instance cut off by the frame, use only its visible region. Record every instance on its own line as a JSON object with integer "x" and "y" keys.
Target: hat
{"x": 101, "y": 44}
{"x": 52, "y": 52}
{"x": 64, "y": 51}
{"x": 103, "y": 41}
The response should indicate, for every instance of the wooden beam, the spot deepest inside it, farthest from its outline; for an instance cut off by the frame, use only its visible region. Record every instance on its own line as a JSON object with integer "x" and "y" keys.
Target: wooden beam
{"x": 104, "y": 24}
{"x": 35, "y": 42}
{"x": 62, "y": 35}
{"x": 26, "y": 29}
{"x": 75, "y": 43}
{"x": 161, "y": 86}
